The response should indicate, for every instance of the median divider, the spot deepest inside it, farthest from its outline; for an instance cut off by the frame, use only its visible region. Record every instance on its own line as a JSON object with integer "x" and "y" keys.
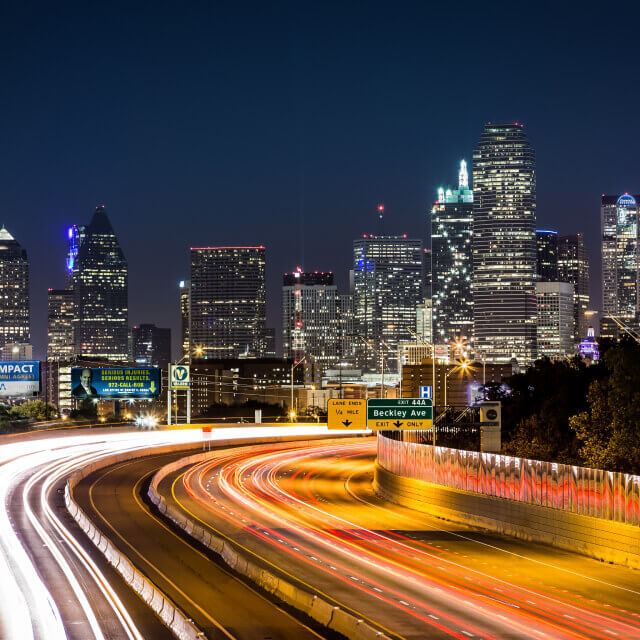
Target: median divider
{"x": 173, "y": 618}
{"x": 319, "y": 609}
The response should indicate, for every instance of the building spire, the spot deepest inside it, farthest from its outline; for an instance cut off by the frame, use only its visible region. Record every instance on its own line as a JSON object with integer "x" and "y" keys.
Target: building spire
{"x": 463, "y": 176}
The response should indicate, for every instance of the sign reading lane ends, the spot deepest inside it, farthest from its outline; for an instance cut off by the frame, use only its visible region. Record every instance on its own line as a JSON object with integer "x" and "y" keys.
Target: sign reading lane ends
{"x": 400, "y": 413}
{"x": 347, "y": 414}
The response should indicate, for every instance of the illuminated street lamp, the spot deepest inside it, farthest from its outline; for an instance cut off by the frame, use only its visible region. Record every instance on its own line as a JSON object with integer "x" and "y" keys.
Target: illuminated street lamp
{"x": 463, "y": 366}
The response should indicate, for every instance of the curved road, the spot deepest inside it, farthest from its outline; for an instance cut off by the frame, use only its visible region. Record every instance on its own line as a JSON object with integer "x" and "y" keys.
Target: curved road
{"x": 310, "y": 513}
{"x": 55, "y": 584}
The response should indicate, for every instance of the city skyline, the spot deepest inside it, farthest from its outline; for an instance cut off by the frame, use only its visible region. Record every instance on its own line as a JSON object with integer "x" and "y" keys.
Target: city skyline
{"x": 180, "y": 151}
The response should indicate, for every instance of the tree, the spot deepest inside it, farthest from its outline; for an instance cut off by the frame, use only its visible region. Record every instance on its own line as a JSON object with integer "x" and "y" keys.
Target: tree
{"x": 609, "y": 429}
{"x": 537, "y": 405}
{"x": 35, "y": 409}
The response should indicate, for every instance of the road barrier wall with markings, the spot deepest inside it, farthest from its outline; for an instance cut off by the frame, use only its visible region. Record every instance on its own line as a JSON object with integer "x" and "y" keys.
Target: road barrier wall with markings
{"x": 173, "y": 618}
{"x": 590, "y": 511}
{"x": 327, "y": 614}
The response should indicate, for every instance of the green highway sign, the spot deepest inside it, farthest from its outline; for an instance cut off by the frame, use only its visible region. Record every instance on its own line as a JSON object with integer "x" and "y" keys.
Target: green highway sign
{"x": 399, "y": 413}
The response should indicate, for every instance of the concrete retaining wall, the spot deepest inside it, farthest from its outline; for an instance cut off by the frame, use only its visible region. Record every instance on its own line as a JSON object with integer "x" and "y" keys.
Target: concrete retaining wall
{"x": 326, "y": 613}
{"x": 181, "y": 626}
{"x": 177, "y": 621}
{"x": 614, "y": 542}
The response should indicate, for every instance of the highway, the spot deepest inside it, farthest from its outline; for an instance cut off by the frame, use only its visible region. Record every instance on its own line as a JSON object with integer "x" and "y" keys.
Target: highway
{"x": 310, "y": 513}
{"x": 55, "y": 584}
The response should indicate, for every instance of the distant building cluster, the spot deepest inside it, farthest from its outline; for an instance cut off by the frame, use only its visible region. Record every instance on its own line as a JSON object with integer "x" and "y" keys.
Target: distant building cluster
{"x": 491, "y": 286}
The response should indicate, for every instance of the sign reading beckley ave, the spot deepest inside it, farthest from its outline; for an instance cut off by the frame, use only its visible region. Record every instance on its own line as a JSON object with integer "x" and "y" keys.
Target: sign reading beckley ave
{"x": 399, "y": 413}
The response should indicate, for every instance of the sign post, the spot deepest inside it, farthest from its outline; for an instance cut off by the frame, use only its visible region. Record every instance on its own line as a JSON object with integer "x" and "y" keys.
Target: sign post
{"x": 347, "y": 414}
{"x": 400, "y": 414}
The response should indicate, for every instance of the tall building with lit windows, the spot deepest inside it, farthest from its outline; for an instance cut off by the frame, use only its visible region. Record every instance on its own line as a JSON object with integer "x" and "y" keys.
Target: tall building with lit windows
{"x": 388, "y": 285}
{"x": 60, "y": 324}
{"x": 554, "y": 319}
{"x": 185, "y": 314}
{"x": 15, "y": 326}
{"x": 620, "y": 262}
{"x": 100, "y": 293}
{"x": 573, "y": 267}
{"x": 310, "y": 318}
{"x": 547, "y": 255}
{"x": 452, "y": 262}
{"x": 504, "y": 245}
{"x": 227, "y": 316}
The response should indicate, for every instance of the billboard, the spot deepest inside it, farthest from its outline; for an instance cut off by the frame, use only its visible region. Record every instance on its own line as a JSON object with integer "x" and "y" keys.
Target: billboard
{"x": 19, "y": 378}
{"x": 115, "y": 382}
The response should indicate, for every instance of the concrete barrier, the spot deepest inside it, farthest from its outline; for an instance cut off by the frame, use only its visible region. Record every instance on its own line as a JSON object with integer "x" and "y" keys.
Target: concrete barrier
{"x": 173, "y": 618}
{"x": 316, "y": 607}
{"x": 615, "y": 542}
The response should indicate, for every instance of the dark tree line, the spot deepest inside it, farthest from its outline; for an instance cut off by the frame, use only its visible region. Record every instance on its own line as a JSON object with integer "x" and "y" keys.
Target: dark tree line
{"x": 574, "y": 413}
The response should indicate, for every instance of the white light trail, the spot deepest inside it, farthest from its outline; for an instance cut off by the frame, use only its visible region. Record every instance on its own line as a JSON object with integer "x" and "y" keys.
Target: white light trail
{"x": 28, "y": 610}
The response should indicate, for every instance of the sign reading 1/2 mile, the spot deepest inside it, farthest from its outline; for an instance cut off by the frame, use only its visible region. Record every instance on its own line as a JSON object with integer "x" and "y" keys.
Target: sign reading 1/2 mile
{"x": 400, "y": 413}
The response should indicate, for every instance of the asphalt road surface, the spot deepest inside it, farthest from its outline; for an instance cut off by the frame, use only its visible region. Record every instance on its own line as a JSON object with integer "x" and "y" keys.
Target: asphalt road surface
{"x": 310, "y": 513}
{"x": 55, "y": 584}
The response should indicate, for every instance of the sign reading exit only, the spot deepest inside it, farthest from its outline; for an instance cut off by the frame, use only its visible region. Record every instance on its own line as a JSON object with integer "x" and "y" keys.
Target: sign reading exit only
{"x": 400, "y": 413}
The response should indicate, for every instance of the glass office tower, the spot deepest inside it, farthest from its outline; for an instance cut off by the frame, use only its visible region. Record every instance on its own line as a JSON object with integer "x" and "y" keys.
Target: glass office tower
{"x": 388, "y": 284}
{"x": 310, "y": 318}
{"x": 504, "y": 245}
{"x": 547, "y": 255}
{"x": 227, "y": 314}
{"x": 100, "y": 293}
{"x": 452, "y": 262}
{"x": 620, "y": 262}
{"x": 573, "y": 267}
{"x": 15, "y": 327}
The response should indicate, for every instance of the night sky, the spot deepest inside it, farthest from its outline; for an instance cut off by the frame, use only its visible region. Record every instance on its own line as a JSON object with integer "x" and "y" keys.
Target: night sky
{"x": 284, "y": 124}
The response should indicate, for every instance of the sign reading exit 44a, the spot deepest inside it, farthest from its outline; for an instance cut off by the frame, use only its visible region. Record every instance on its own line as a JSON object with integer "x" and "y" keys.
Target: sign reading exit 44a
{"x": 400, "y": 413}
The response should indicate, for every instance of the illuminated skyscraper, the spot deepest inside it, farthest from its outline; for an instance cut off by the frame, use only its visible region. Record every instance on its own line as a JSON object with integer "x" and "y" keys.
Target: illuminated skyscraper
{"x": 547, "y": 255}
{"x": 504, "y": 245}
{"x": 75, "y": 236}
{"x": 620, "y": 262}
{"x": 452, "y": 264}
{"x": 185, "y": 313}
{"x": 60, "y": 344}
{"x": 554, "y": 319}
{"x": 573, "y": 267}
{"x": 310, "y": 318}
{"x": 15, "y": 327}
{"x": 100, "y": 293}
{"x": 227, "y": 314}
{"x": 388, "y": 284}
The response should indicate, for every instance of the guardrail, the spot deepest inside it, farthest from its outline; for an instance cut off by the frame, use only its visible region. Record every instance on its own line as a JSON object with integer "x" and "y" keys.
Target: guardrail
{"x": 580, "y": 490}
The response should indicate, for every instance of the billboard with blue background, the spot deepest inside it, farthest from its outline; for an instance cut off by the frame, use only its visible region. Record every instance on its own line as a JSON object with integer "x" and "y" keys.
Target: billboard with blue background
{"x": 19, "y": 378}
{"x": 115, "y": 382}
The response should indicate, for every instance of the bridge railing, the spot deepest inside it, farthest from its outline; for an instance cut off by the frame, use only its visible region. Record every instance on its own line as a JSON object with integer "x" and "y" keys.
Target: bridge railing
{"x": 590, "y": 492}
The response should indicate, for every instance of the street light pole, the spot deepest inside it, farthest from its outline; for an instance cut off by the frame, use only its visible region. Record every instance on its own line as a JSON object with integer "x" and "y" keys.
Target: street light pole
{"x": 293, "y": 366}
